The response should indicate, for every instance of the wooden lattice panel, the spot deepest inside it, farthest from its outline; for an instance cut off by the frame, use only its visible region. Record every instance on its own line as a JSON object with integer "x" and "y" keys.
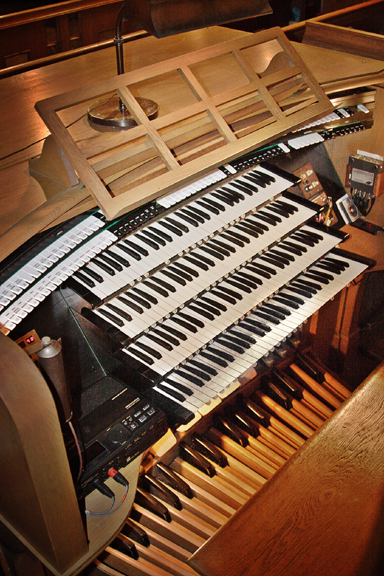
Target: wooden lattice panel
{"x": 214, "y": 105}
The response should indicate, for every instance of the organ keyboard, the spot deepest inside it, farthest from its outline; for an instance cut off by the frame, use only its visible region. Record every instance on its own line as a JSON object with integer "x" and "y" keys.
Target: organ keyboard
{"x": 221, "y": 274}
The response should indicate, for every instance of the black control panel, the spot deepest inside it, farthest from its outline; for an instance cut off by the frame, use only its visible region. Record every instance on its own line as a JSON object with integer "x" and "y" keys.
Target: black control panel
{"x": 116, "y": 426}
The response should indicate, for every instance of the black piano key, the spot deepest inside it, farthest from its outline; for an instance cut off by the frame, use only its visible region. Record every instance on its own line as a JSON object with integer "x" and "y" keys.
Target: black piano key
{"x": 203, "y": 367}
{"x": 313, "y": 234}
{"x": 238, "y": 236}
{"x": 200, "y": 212}
{"x": 224, "y": 296}
{"x": 242, "y": 187}
{"x": 123, "y": 261}
{"x": 303, "y": 239}
{"x": 264, "y": 316}
{"x": 141, "y": 301}
{"x": 214, "y": 303}
{"x": 111, "y": 317}
{"x": 213, "y": 310}
{"x": 214, "y": 204}
{"x": 155, "y": 288}
{"x": 281, "y": 254}
{"x": 264, "y": 328}
{"x": 144, "y": 295}
{"x": 196, "y": 260}
{"x": 249, "y": 183}
{"x": 177, "y": 224}
{"x": 311, "y": 285}
{"x": 202, "y": 258}
{"x": 148, "y": 241}
{"x": 213, "y": 253}
{"x": 179, "y": 335}
{"x": 220, "y": 353}
{"x": 292, "y": 298}
{"x": 129, "y": 251}
{"x": 224, "y": 245}
{"x": 329, "y": 267}
{"x": 313, "y": 276}
{"x": 232, "y": 239}
{"x": 130, "y": 304}
{"x": 135, "y": 246}
{"x": 181, "y": 273}
{"x": 84, "y": 278}
{"x": 219, "y": 361}
{"x": 84, "y": 292}
{"x": 282, "y": 300}
{"x": 254, "y": 180}
{"x": 159, "y": 489}
{"x": 247, "y": 230}
{"x": 263, "y": 271}
{"x": 183, "y": 389}
{"x": 186, "y": 269}
{"x": 289, "y": 248}
{"x": 223, "y": 198}
{"x": 201, "y": 311}
{"x": 297, "y": 290}
{"x": 161, "y": 233}
{"x": 184, "y": 324}
{"x": 217, "y": 248}
{"x": 290, "y": 208}
{"x": 155, "y": 237}
{"x": 176, "y": 395}
{"x": 163, "y": 283}
{"x": 239, "y": 285}
{"x": 191, "y": 319}
{"x": 135, "y": 532}
{"x": 170, "y": 227}
{"x": 208, "y": 207}
{"x": 267, "y": 258}
{"x": 245, "y": 281}
{"x": 270, "y": 214}
{"x": 193, "y": 215}
{"x": 119, "y": 312}
{"x": 230, "y": 429}
{"x": 190, "y": 455}
{"x": 229, "y": 292}
{"x": 321, "y": 274}
{"x": 233, "y": 192}
{"x": 150, "y": 351}
{"x": 253, "y": 226}
{"x": 191, "y": 221}
{"x": 241, "y": 336}
{"x": 125, "y": 546}
{"x": 265, "y": 218}
{"x": 173, "y": 277}
{"x": 266, "y": 176}
{"x": 196, "y": 372}
{"x": 147, "y": 501}
{"x": 110, "y": 262}
{"x": 248, "y": 325}
{"x": 256, "y": 222}
{"x": 270, "y": 309}
{"x": 166, "y": 336}
{"x": 107, "y": 269}
{"x": 250, "y": 277}
{"x": 277, "y": 210}
{"x": 163, "y": 343}
{"x": 231, "y": 345}
{"x": 190, "y": 377}
{"x": 342, "y": 263}
{"x": 139, "y": 354}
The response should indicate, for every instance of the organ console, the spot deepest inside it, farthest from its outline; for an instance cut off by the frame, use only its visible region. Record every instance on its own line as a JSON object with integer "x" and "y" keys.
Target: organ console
{"x": 201, "y": 301}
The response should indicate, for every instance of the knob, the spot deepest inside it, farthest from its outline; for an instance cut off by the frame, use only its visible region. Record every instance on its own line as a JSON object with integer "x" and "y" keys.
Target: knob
{"x": 118, "y": 434}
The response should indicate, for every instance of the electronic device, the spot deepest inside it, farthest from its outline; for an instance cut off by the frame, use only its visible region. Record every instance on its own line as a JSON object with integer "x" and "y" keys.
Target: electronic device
{"x": 367, "y": 226}
{"x": 116, "y": 425}
{"x": 347, "y": 209}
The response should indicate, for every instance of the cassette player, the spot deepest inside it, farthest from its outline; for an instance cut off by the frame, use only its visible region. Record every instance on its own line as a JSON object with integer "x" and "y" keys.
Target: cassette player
{"x": 116, "y": 425}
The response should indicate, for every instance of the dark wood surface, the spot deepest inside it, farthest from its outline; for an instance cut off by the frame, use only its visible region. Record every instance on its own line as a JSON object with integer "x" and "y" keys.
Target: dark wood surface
{"x": 322, "y": 513}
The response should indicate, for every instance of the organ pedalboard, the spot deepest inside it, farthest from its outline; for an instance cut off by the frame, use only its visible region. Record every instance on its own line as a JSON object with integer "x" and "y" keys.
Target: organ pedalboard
{"x": 198, "y": 485}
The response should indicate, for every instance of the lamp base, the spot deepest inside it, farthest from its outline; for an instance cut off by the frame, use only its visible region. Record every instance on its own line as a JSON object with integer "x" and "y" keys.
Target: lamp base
{"x": 111, "y": 114}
